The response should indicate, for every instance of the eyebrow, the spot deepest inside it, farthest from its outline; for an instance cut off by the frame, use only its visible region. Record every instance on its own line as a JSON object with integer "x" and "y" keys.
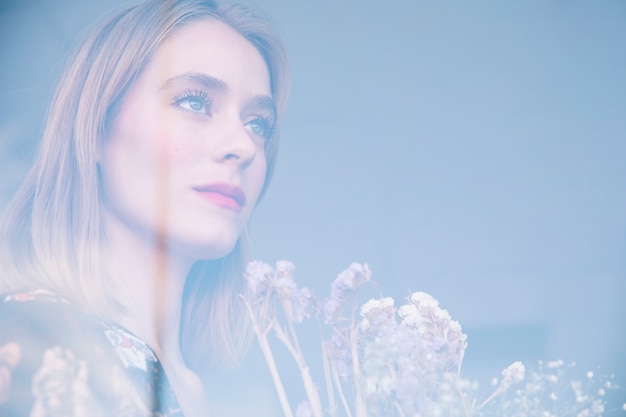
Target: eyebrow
{"x": 266, "y": 103}
{"x": 208, "y": 82}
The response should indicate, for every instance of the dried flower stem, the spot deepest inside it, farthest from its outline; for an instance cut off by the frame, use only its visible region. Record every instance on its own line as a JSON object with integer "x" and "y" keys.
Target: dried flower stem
{"x": 340, "y": 390}
{"x": 294, "y": 336}
{"x": 332, "y": 405}
{"x": 493, "y": 395}
{"x": 271, "y": 363}
{"x": 309, "y": 385}
{"x": 359, "y": 401}
{"x": 466, "y": 407}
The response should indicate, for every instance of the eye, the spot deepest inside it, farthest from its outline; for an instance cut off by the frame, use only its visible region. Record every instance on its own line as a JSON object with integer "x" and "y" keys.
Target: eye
{"x": 194, "y": 101}
{"x": 262, "y": 127}
{"x": 193, "y": 104}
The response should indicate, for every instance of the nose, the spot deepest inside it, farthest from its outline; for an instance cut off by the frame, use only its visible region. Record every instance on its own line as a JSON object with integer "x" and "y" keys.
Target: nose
{"x": 236, "y": 145}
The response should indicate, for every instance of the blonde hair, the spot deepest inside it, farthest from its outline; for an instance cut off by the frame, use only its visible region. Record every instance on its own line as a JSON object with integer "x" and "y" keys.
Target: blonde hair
{"x": 51, "y": 233}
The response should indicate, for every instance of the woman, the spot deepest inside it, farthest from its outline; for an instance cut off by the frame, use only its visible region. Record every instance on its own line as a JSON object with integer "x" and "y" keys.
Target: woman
{"x": 122, "y": 252}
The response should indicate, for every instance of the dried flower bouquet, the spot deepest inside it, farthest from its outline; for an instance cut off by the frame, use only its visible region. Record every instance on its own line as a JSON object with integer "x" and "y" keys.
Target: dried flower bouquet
{"x": 380, "y": 360}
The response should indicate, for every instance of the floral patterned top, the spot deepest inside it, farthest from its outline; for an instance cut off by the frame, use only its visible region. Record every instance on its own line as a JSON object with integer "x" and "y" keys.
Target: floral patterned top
{"x": 57, "y": 360}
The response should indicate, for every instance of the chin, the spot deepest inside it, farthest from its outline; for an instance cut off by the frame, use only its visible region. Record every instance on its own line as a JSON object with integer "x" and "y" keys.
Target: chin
{"x": 216, "y": 253}
{"x": 207, "y": 250}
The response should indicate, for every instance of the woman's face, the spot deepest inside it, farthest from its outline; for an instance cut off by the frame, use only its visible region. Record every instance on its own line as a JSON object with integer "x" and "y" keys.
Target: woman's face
{"x": 184, "y": 160}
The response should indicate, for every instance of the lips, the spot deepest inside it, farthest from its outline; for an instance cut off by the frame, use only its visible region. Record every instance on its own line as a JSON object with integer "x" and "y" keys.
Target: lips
{"x": 224, "y": 195}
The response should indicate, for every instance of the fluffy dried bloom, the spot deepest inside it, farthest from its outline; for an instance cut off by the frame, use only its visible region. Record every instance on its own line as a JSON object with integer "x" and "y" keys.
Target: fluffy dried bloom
{"x": 410, "y": 315}
{"x": 258, "y": 278}
{"x": 284, "y": 269}
{"x": 338, "y": 351}
{"x": 300, "y": 305}
{"x": 597, "y": 407}
{"x": 350, "y": 279}
{"x": 284, "y": 285}
{"x": 554, "y": 364}
{"x": 374, "y": 306}
{"x": 423, "y": 300}
{"x": 346, "y": 283}
{"x": 513, "y": 374}
{"x": 330, "y": 308}
{"x": 378, "y": 314}
{"x": 444, "y": 335}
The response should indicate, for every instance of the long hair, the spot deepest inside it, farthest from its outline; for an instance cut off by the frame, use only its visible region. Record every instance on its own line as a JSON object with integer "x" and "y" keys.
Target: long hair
{"x": 51, "y": 233}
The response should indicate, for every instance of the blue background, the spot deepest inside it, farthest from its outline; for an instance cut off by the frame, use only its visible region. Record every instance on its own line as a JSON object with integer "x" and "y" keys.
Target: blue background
{"x": 473, "y": 150}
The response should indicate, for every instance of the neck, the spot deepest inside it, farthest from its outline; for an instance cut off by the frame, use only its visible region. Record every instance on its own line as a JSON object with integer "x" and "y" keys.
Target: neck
{"x": 149, "y": 279}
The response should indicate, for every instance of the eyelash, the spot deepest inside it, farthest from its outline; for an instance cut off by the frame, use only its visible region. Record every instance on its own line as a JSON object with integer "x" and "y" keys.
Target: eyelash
{"x": 268, "y": 123}
{"x": 200, "y": 95}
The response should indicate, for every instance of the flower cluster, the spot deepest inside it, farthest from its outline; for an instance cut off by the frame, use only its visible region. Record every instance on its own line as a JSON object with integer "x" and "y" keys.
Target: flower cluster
{"x": 552, "y": 390}
{"x": 342, "y": 291}
{"x": 411, "y": 357}
{"x": 263, "y": 282}
{"x": 380, "y": 360}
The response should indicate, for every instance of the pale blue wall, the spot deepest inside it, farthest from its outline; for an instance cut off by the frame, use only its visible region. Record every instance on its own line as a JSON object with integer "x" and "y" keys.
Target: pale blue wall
{"x": 473, "y": 150}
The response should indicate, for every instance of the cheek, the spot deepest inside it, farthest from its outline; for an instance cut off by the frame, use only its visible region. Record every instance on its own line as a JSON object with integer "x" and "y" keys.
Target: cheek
{"x": 259, "y": 174}
{"x": 157, "y": 147}
{"x": 136, "y": 160}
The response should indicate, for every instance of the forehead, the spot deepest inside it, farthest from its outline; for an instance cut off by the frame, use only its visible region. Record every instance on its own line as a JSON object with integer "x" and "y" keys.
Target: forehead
{"x": 210, "y": 46}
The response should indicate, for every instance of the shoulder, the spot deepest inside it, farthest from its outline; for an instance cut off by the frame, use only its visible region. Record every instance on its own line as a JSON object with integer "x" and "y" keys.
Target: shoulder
{"x": 58, "y": 359}
{"x": 43, "y": 357}
{"x": 41, "y": 317}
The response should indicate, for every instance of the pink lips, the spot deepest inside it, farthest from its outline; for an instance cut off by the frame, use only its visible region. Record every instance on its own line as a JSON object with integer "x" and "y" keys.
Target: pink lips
{"x": 224, "y": 195}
